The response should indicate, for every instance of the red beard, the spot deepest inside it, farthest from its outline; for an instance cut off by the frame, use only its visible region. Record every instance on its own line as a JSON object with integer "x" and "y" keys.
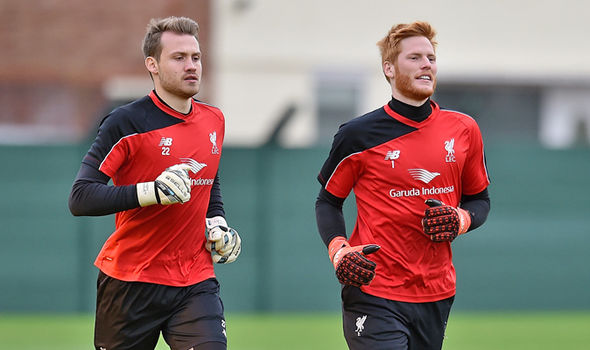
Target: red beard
{"x": 404, "y": 84}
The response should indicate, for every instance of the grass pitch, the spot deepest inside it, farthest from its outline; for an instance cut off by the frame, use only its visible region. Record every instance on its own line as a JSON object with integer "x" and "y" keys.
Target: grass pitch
{"x": 286, "y": 331}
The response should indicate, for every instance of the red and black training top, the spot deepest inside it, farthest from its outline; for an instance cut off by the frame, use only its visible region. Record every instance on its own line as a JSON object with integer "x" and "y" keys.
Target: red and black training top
{"x": 393, "y": 164}
{"x": 135, "y": 143}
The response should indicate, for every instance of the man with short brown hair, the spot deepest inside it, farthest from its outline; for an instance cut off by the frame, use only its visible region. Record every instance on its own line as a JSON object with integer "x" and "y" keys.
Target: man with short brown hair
{"x": 162, "y": 154}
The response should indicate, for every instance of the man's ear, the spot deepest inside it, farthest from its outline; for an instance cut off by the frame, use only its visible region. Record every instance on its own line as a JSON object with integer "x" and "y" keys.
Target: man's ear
{"x": 388, "y": 70}
{"x": 151, "y": 64}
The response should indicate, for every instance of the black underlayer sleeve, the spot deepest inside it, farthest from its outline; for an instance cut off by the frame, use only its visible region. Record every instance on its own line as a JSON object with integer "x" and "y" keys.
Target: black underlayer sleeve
{"x": 478, "y": 206}
{"x": 92, "y": 196}
{"x": 215, "y": 200}
{"x": 329, "y": 217}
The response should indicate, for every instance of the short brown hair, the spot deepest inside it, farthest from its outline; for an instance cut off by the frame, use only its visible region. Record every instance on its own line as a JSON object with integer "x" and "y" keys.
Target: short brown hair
{"x": 390, "y": 44}
{"x": 151, "y": 42}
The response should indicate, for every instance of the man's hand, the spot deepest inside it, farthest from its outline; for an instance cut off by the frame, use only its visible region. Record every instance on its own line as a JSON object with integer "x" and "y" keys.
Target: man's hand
{"x": 223, "y": 242}
{"x": 351, "y": 265}
{"x": 443, "y": 223}
{"x": 172, "y": 186}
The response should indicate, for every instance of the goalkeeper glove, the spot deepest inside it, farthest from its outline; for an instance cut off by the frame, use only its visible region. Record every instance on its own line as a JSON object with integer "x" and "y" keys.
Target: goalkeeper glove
{"x": 351, "y": 265}
{"x": 223, "y": 242}
{"x": 443, "y": 223}
{"x": 173, "y": 185}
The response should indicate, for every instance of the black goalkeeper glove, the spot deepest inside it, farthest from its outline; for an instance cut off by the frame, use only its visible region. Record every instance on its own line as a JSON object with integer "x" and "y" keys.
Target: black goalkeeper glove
{"x": 351, "y": 265}
{"x": 443, "y": 223}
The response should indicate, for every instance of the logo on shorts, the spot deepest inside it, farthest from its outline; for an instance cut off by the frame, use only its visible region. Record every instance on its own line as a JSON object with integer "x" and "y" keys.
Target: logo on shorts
{"x": 223, "y": 326}
{"x": 360, "y": 325}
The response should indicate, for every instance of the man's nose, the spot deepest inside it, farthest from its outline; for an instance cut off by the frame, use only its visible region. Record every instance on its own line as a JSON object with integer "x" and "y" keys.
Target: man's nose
{"x": 426, "y": 62}
{"x": 191, "y": 65}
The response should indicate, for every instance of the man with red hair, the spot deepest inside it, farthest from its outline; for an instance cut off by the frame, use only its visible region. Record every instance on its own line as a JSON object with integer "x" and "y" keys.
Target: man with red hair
{"x": 420, "y": 180}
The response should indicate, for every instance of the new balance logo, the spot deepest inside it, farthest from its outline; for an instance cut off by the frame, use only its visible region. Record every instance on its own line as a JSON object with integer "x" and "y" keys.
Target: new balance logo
{"x": 392, "y": 156}
{"x": 166, "y": 141}
{"x": 423, "y": 175}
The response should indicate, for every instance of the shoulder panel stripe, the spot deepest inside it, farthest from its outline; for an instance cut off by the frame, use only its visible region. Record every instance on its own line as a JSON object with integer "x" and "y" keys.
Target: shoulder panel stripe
{"x": 112, "y": 148}
{"x": 454, "y": 111}
{"x": 336, "y": 168}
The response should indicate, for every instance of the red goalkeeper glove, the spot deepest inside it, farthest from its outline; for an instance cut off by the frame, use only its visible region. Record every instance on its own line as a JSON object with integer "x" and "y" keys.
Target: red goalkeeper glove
{"x": 443, "y": 223}
{"x": 351, "y": 265}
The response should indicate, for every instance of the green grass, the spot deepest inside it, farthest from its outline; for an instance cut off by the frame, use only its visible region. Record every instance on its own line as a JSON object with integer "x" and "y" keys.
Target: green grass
{"x": 482, "y": 331}
{"x": 533, "y": 330}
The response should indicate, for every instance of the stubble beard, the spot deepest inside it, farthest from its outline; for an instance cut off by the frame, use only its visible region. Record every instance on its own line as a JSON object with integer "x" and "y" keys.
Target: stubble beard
{"x": 177, "y": 88}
